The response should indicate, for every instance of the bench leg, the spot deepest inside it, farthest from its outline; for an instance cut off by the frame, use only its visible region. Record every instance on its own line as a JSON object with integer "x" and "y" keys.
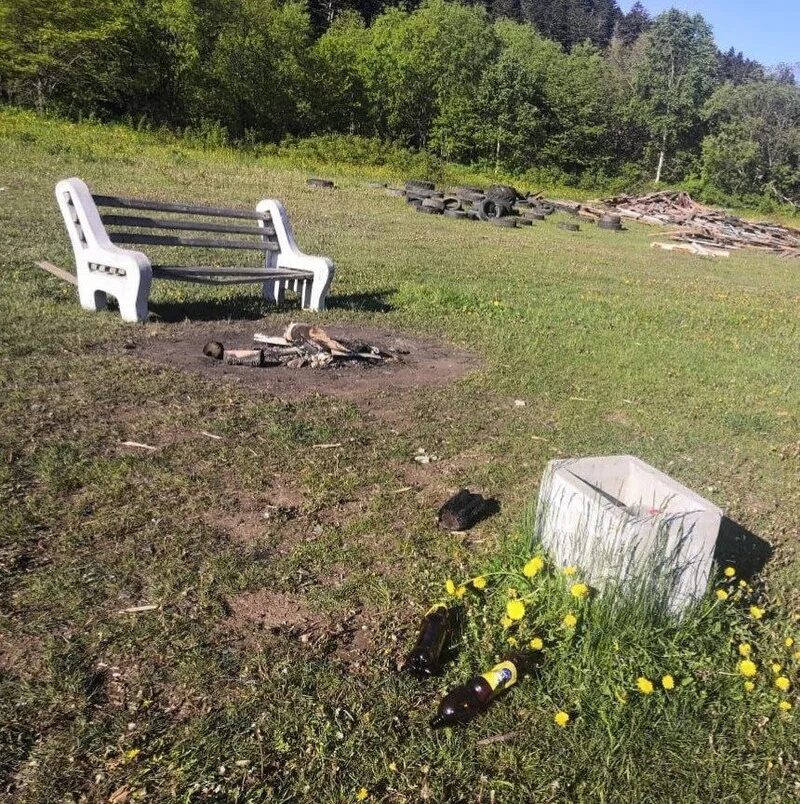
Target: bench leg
{"x": 274, "y": 291}
{"x": 90, "y": 298}
{"x": 315, "y": 293}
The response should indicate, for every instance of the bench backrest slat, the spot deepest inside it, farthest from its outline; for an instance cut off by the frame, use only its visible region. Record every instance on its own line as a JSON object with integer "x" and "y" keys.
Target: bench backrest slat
{"x": 191, "y": 242}
{"x": 186, "y": 209}
{"x": 142, "y": 222}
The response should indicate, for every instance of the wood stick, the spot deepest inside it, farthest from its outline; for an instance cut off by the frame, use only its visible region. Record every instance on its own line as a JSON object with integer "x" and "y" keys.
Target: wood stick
{"x": 66, "y": 276}
{"x": 138, "y": 445}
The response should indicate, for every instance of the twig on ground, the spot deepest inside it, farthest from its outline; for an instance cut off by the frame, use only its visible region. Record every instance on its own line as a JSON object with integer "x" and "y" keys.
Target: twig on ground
{"x": 138, "y": 445}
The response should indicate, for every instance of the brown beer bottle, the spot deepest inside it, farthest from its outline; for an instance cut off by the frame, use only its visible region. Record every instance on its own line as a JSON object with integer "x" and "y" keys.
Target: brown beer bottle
{"x": 425, "y": 658}
{"x": 467, "y": 701}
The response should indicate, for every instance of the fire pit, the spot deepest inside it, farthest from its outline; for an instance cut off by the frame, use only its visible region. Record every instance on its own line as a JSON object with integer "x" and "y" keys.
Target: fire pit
{"x": 301, "y": 346}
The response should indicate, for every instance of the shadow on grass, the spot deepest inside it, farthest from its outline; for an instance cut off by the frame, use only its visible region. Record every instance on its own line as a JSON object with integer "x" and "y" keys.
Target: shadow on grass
{"x": 243, "y": 306}
{"x": 374, "y": 302}
{"x": 742, "y": 549}
{"x": 251, "y": 307}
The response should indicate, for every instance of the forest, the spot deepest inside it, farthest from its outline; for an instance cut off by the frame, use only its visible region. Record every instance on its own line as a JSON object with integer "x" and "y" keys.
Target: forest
{"x": 561, "y": 91}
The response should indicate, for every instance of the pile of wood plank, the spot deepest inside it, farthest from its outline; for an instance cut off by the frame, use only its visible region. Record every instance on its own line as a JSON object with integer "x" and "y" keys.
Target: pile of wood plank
{"x": 702, "y": 226}
{"x": 300, "y": 345}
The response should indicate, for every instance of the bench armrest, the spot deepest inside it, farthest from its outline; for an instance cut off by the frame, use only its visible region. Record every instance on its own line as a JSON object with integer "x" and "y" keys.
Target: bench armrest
{"x": 290, "y": 256}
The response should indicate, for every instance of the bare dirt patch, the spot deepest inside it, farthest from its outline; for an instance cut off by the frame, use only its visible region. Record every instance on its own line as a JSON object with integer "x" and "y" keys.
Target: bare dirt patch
{"x": 271, "y": 611}
{"x": 246, "y": 519}
{"x": 423, "y": 363}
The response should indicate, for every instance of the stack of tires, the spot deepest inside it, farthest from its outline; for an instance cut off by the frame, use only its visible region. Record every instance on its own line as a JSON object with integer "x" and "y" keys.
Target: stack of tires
{"x": 501, "y": 205}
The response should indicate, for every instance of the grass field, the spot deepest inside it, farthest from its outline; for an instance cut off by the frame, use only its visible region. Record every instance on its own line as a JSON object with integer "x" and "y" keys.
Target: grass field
{"x": 691, "y": 364}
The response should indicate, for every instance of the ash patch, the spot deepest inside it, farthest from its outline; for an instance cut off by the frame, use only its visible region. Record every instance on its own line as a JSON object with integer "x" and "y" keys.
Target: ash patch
{"x": 425, "y": 363}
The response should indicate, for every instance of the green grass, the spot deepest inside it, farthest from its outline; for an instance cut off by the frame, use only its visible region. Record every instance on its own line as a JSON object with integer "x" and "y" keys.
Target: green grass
{"x": 690, "y": 364}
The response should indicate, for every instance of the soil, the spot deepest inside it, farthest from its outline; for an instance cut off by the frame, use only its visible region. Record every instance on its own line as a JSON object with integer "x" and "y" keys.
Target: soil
{"x": 271, "y": 611}
{"x": 422, "y": 363}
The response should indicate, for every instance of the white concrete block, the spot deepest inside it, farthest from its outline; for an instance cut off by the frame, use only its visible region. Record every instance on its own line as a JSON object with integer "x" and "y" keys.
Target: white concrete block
{"x": 628, "y": 526}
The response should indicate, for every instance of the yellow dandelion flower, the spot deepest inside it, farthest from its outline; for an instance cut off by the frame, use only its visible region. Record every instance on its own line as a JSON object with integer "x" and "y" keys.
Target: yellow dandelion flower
{"x": 796, "y": 655}
{"x": 579, "y": 590}
{"x": 479, "y": 582}
{"x": 536, "y": 643}
{"x": 743, "y": 584}
{"x": 729, "y": 572}
{"x": 461, "y": 590}
{"x": 362, "y": 794}
{"x": 745, "y": 649}
{"x": 569, "y": 570}
{"x": 785, "y": 706}
{"x": 506, "y": 622}
{"x": 783, "y": 683}
{"x": 668, "y": 682}
{"x": 788, "y": 642}
{"x": 513, "y": 641}
{"x": 776, "y": 668}
{"x": 748, "y": 668}
{"x": 722, "y": 594}
{"x": 644, "y": 685}
{"x": 449, "y": 586}
{"x": 533, "y": 567}
{"x": 515, "y": 609}
{"x": 749, "y": 686}
{"x": 561, "y": 718}
{"x": 756, "y": 613}
{"x": 393, "y": 767}
{"x": 569, "y": 621}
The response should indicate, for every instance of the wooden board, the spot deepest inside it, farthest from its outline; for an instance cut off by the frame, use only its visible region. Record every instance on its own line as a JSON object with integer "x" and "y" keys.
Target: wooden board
{"x": 66, "y": 276}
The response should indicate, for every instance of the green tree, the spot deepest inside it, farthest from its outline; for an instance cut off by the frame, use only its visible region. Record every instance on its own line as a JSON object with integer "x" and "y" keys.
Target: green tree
{"x": 420, "y": 72}
{"x": 514, "y": 112}
{"x": 677, "y": 75}
{"x": 755, "y": 144}
{"x": 258, "y": 71}
{"x": 58, "y": 50}
{"x": 338, "y": 76}
{"x": 580, "y": 87}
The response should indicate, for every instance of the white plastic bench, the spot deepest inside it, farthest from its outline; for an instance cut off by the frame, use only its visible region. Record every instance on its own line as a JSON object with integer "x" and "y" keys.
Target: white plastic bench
{"x": 103, "y": 268}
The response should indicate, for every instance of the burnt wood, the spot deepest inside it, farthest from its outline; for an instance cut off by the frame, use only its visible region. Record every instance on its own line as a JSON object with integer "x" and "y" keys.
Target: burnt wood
{"x": 186, "y": 209}
{"x": 142, "y": 222}
{"x": 191, "y": 242}
{"x": 465, "y": 509}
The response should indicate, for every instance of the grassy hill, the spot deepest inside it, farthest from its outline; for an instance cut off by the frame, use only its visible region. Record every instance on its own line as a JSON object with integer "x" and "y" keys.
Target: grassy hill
{"x": 289, "y": 578}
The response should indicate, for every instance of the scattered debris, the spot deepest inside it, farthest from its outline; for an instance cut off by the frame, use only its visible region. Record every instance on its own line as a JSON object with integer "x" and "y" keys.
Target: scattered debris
{"x": 138, "y": 609}
{"x": 704, "y": 226}
{"x": 423, "y": 457}
{"x": 243, "y": 357}
{"x": 692, "y": 248}
{"x": 321, "y": 183}
{"x": 498, "y": 738}
{"x": 211, "y": 435}
{"x": 465, "y": 509}
{"x": 327, "y": 446}
{"x": 138, "y": 445}
{"x": 66, "y": 276}
{"x": 300, "y": 345}
{"x": 214, "y": 349}
{"x": 520, "y": 403}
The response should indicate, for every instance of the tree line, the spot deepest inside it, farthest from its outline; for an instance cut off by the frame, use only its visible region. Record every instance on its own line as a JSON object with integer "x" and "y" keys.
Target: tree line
{"x": 572, "y": 89}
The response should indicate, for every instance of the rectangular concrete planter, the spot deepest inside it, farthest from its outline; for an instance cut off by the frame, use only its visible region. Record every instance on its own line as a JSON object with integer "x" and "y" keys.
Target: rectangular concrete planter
{"x": 629, "y": 527}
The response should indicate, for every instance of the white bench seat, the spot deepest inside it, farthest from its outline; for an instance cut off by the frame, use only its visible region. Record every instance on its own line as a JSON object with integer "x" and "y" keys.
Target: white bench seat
{"x": 104, "y": 268}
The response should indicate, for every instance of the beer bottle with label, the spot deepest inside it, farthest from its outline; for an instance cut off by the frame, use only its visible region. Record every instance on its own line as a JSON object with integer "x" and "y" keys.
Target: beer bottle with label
{"x": 467, "y": 701}
{"x": 425, "y": 659}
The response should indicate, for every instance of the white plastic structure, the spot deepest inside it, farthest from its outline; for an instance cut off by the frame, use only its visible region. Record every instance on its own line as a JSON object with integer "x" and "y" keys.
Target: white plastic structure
{"x": 312, "y": 292}
{"x": 629, "y": 527}
{"x": 104, "y": 268}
